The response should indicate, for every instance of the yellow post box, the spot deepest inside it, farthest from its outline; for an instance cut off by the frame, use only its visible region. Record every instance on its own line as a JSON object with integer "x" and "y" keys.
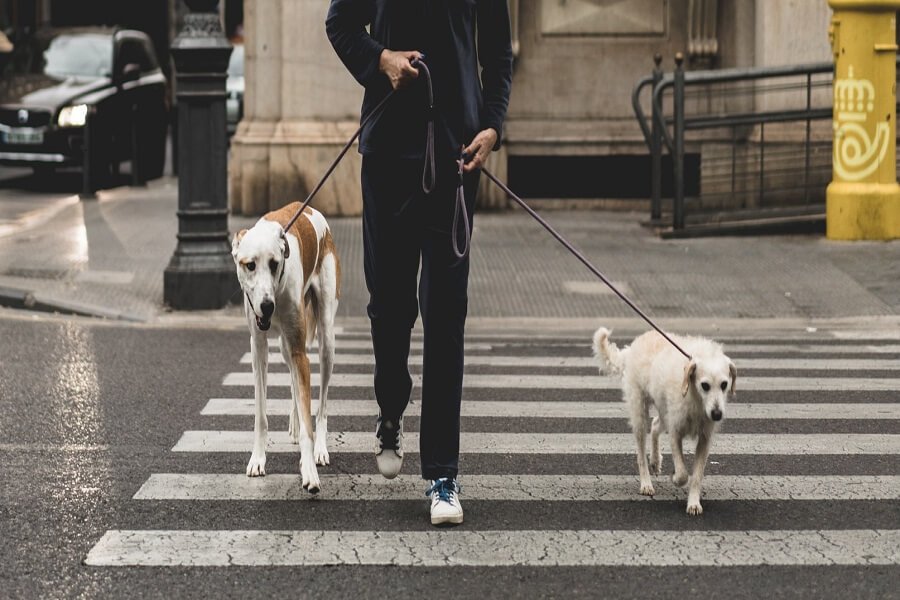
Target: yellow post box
{"x": 863, "y": 198}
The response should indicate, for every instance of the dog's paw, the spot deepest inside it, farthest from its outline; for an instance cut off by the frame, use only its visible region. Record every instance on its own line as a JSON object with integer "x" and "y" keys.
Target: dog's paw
{"x": 680, "y": 479}
{"x": 257, "y": 465}
{"x": 309, "y": 477}
{"x": 694, "y": 508}
{"x": 321, "y": 454}
{"x": 656, "y": 465}
{"x": 647, "y": 489}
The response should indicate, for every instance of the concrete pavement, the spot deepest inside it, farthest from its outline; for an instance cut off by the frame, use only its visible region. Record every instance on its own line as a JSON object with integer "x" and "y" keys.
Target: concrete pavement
{"x": 106, "y": 257}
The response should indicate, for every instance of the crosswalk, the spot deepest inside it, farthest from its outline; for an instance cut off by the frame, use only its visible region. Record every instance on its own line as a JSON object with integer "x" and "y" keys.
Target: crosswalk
{"x": 548, "y": 469}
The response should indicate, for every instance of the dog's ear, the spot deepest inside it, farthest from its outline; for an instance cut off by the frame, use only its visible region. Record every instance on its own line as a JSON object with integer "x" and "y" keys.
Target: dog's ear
{"x": 732, "y": 371}
{"x": 689, "y": 370}
{"x": 236, "y": 241}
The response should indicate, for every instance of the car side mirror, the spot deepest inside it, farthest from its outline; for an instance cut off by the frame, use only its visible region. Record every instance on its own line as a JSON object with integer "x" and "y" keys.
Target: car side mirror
{"x": 131, "y": 72}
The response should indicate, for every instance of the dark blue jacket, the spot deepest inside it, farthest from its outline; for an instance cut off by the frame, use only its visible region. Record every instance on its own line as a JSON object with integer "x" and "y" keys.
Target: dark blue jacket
{"x": 446, "y": 32}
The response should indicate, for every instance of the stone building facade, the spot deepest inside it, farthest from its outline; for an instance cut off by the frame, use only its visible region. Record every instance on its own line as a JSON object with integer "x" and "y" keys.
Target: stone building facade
{"x": 576, "y": 64}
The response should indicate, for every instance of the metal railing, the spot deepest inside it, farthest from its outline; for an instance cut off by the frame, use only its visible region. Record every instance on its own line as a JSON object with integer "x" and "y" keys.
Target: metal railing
{"x": 795, "y": 79}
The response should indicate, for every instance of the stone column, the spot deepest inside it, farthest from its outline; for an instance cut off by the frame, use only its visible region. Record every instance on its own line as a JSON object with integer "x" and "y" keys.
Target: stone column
{"x": 300, "y": 108}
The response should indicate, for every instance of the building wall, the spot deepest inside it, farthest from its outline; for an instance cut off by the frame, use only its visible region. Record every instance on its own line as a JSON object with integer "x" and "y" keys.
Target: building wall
{"x": 577, "y": 63}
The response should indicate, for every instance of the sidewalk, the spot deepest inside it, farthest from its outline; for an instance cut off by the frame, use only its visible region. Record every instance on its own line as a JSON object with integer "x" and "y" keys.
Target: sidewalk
{"x": 106, "y": 257}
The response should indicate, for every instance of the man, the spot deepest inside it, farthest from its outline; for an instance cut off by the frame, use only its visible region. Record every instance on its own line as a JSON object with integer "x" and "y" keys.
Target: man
{"x": 402, "y": 223}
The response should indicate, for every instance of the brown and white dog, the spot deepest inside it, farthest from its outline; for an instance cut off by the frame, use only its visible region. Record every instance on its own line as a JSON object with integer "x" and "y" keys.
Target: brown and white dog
{"x": 291, "y": 285}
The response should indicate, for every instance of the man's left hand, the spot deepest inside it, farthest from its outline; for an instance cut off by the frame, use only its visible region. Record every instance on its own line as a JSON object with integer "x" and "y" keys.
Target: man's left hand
{"x": 479, "y": 149}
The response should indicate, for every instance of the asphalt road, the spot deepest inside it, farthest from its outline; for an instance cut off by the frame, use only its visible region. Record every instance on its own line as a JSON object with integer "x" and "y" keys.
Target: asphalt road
{"x": 95, "y": 415}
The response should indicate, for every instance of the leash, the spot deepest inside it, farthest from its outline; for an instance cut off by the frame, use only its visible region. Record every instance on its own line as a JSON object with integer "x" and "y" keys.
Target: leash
{"x": 577, "y": 254}
{"x": 459, "y": 210}
{"x": 428, "y": 173}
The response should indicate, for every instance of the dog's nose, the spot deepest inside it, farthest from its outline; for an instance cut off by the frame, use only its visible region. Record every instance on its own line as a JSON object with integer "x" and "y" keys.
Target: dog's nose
{"x": 267, "y": 307}
{"x": 716, "y": 414}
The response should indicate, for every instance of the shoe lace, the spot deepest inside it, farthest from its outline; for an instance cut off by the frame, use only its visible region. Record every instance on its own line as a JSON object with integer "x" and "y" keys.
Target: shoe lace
{"x": 388, "y": 435}
{"x": 445, "y": 488}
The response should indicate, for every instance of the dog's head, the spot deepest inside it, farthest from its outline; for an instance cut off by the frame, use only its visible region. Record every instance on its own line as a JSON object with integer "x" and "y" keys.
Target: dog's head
{"x": 711, "y": 379}
{"x": 259, "y": 257}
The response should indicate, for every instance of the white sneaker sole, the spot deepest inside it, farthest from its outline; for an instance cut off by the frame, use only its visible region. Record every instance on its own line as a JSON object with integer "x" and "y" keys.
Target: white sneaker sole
{"x": 447, "y": 520}
{"x": 389, "y": 466}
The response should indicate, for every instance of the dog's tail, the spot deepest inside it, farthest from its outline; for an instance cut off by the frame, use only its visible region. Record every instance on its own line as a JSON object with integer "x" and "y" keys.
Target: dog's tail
{"x": 312, "y": 316}
{"x": 613, "y": 358}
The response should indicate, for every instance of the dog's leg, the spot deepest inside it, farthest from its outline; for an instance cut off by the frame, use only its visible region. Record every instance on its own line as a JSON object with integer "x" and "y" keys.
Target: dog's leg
{"x": 300, "y": 392}
{"x": 681, "y": 475}
{"x": 639, "y": 416}
{"x": 327, "y": 299}
{"x": 259, "y": 357}
{"x": 655, "y": 452}
{"x": 294, "y": 419}
{"x": 703, "y": 442}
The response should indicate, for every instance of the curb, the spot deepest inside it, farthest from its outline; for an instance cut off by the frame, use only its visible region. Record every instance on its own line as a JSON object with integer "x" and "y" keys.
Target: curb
{"x": 28, "y": 300}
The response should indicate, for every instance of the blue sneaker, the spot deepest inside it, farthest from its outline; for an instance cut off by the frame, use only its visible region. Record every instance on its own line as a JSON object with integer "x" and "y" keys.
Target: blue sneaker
{"x": 445, "y": 506}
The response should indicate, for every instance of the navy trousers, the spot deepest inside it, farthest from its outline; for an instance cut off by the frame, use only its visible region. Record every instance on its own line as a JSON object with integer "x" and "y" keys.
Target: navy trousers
{"x": 403, "y": 228}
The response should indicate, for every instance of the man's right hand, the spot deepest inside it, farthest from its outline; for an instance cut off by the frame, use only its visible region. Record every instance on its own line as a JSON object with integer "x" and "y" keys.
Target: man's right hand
{"x": 398, "y": 67}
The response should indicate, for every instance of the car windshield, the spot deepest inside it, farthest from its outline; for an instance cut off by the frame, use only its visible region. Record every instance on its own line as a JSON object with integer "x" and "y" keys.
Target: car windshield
{"x": 78, "y": 55}
{"x": 236, "y": 63}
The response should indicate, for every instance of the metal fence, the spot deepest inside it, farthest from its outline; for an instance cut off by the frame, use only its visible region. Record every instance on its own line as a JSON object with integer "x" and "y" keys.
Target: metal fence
{"x": 744, "y": 143}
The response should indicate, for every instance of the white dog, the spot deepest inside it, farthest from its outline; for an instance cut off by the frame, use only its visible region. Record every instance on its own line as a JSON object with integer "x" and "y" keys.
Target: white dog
{"x": 690, "y": 398}
{"x": 291, "y": 285}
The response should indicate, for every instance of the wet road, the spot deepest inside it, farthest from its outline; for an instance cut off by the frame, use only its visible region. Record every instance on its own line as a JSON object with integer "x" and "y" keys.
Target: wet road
{"x": 96, "y": 422}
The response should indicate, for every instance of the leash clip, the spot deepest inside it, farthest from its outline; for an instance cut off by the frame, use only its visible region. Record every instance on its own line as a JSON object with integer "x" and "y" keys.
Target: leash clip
{"x": 287, "y": 246}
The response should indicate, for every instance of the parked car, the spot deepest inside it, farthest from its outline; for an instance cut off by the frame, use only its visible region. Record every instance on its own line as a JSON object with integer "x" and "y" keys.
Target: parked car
{"x": 235, "y": 88}
{"x": 58, "y": 80}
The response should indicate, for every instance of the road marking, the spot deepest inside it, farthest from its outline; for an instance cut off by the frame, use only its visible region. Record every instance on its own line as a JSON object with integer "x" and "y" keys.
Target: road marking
{"x": 561, "y": 443}
{"x": 565, "y": 410}
{"x": 475, "y": 360}
{"x": 814, "y": 348}
{"x": 597, "y": 382}
{"x": 545, "y": 488}
{"x": 366, "y": 344}
{"x": 495, "y": 548}
{"x": 345, "y": 344}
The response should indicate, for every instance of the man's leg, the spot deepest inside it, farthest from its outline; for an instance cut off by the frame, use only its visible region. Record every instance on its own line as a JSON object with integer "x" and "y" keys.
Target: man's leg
{"x": 443, "y": 299}
{"x": 391, "y": 246}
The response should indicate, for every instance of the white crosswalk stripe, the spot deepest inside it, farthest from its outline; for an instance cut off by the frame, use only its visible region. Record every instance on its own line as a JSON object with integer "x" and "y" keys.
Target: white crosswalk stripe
{"x": 586, "y": 382}
{"x": 567, "y": 410}
{"x": 561, "y": 443}
{"x": 875, "y": 436}
{"x": 547, "y": 488}
{"x": 840, "y": 364}
{"x": 496, "y": 548}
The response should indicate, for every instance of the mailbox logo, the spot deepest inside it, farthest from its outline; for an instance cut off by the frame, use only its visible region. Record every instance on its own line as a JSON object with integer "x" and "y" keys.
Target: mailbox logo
{"x": 857, "y": 154}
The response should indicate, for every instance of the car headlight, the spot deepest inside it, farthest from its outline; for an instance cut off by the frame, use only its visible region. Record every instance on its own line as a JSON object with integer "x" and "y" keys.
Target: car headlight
{"x": 73, "y": 116}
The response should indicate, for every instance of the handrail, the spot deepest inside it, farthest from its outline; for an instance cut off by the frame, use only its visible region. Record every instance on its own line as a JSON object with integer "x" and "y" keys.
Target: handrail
{"x": 655, "y": 127}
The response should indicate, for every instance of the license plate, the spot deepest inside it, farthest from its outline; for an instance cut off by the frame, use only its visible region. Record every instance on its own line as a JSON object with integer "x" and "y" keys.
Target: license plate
{"x": 23, "y": 136}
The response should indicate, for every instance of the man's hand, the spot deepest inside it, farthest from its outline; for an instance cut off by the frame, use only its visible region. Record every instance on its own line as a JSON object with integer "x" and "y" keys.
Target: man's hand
{"x": 398, "y": 67}
{"x": 479, "y": 149}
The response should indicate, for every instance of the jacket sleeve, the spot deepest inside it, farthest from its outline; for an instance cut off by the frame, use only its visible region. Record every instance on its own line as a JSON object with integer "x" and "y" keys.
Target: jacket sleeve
{"x": 345, "y": 26}
{"x": 496, "y": 58}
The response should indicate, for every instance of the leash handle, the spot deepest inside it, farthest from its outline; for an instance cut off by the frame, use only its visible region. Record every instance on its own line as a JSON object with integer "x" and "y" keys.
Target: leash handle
{"x": 429, "y": 171}
{"x": 583, "y": 260}
{"x": 459, "y": 210}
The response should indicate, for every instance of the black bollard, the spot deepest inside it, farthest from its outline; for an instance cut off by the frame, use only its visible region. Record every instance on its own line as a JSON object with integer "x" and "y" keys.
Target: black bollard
{"x": 201, "y": 274}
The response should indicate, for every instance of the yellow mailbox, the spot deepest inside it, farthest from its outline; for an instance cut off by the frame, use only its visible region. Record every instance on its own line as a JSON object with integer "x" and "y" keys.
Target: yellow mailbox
{"x": 863, "y": 198}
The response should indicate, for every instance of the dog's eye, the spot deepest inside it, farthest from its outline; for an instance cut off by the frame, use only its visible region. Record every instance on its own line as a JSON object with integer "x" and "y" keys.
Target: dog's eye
{"x": 724, "y": 385}
{"x": 273, "y": 264}
{"x": 250, "y": 266}
{"x": 705, "y": 386}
